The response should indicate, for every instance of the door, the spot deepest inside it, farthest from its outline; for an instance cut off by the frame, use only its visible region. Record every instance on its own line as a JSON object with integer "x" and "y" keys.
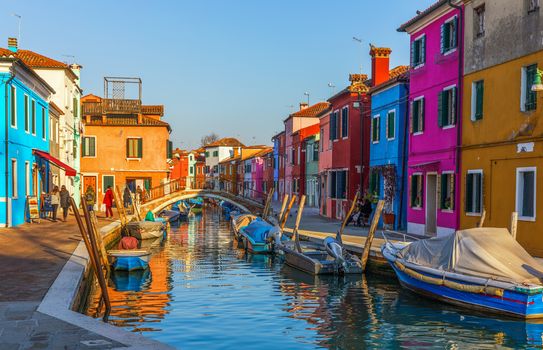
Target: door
{"x": 324, "y": 194}
{"x": 89, "y": 181}
{"x": 431, "y": 204}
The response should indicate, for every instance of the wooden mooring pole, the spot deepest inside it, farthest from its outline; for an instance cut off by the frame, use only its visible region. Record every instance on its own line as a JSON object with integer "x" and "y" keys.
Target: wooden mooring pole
{"x": 371, "y": 233}
{"x": 268, "y": 204}
{"x": 287, "y": 212}
{"x": 482, "y": 220}
{"x": 514, "y": 219}
{"x": 283, "y": 207}
{"x": 297, "y": 224}
{"x": 351, "y": 209}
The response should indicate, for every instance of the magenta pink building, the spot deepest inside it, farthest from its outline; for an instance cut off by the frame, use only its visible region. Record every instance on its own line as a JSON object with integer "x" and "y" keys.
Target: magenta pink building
{"x": 435, "y": 115}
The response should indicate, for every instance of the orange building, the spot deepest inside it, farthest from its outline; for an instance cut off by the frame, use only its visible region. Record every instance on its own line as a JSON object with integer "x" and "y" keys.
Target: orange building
{"x": 200, "y": 166}
{"x": 123, "y": 143}
{"x": 179, "y": 166}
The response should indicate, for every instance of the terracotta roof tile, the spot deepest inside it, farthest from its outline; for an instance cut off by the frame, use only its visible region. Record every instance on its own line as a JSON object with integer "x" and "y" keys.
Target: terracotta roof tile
{"x": 226, "y": 142}
{"x": 313, "y": 111}
{"x": 400, "y": 73}
{"x": 421, "y": 14}
{"x": 33, "y": 59}
{"x": 126, "y": 121}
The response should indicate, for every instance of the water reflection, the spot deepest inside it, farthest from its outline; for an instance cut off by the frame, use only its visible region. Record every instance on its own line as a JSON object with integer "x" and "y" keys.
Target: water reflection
{"x": 203, "y": 291}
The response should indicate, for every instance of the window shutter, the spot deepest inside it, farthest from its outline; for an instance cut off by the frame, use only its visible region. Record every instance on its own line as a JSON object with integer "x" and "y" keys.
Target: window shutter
{"x": 140, "y": 148}
{"x": 422, "y": 116}
{"x": 419, "y": 190}
{"x": 454, "y": 32}
{"x": 440, "y": 190}
{"x": 469, "y": 193}
{"x": 413, "y": 54}
{"x": 422, "y": 59}
{"x": 411, "y": 191}
{"x": 452, "y": 186}
{"x": 391, "y": 126}
{"x": 92, "y": 146}
{"x": 411, "y": 120}
{"x": 453, "y": 106}
{"x": 84, "y": 147}
{"x": 127, "y": 148}
{"x": 479, "y": 91}
{"x": 378, "y": 128}
{"x": 442, "y": 43}
{"x": 440, "y": 108}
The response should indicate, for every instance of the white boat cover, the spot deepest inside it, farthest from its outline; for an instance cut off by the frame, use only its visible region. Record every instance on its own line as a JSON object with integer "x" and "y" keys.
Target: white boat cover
{"x": 481, "y": 252}
{"x": 135, "y": 227}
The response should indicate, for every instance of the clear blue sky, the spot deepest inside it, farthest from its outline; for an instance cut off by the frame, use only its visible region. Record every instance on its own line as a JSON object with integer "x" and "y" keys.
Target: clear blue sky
{"x": 229, "y": 66}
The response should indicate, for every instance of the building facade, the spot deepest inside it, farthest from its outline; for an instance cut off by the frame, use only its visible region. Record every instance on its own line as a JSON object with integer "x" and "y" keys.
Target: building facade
{"x": 388, "y": 147}
{"x": 312, "y": 186}
{"x": 434, "y": 138}
{"x": 215, "y": 153}
{"x": 502, "y": 157}
{"x": 279, "y": 165}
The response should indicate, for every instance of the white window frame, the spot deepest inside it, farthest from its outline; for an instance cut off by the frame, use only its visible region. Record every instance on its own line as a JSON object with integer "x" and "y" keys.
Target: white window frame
{"x": 379, "y": 131}
{"x": 449, "y": 88}
{"x": 453, "y": 191}
{"x": 27, "y": 178}
{"x": 480, "y": 172}
{"x": 388, "y": 126}
{"x": 415, "y": 133}
{"x": 14, "y": 179}
{"x": 423, "y": 192}
{"x": 474, "y": 99}
{"x": 518, "y": 192}
{"x": 95, "y": 145}
{"x": 13, "y": 91}
{"x": 104, "y": 175}
{"x": 27, "y": 108}
{"x": 423, "y": 63}
{"x": 453, "y": 18}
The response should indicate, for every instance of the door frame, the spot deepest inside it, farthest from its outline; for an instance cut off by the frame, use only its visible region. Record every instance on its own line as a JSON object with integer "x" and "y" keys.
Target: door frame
{"x": 427, "y": 207}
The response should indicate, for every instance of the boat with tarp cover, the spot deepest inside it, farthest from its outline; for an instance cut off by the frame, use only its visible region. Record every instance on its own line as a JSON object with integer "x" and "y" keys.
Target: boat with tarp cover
{"x": 479, "y": 268}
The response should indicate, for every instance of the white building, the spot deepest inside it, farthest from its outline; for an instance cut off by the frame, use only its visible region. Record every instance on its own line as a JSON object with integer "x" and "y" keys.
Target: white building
{"x": 215, "y": 153}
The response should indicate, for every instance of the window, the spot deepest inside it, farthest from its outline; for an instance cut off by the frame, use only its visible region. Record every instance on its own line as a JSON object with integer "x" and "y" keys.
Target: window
{"x": 533, "y": 5}
{"x": 446, "y": 189}
{"x": 169, "y": 149}
{"x": 477, "y": 93}
{"x": 33, "y": 117}
{"x": 134, "y": 148}
{"x": 13, "y": 106}
{"x": 528, "y": 97}
{"x": 345, "y": 122}
{"x": 88, "y": 146}
{"x": 448, "y": 35}
{"x": 417, "y": 116}
{"x": 215, "y": 153}
{"x": 107, "y": 180}
{"x": 418, "y": 52}
{"x": 479, "y": 16}
{"x": 474, "y": 191}
{"x": 27, "y": 179}
{"x": 416, "y": 191}
{"x": 338, "y": 184}
{"x": 292, "y": 156}
{"x": 26, "y": 114}
{"x": 447, "y": 107}
{"x": 391, "y": 125}
{"x": 333, "y": 126}
{"x": 216, "y": 168}
{"x": 375, "y": 183}
{"x": 322, "y": 143}
{"x": 526, "y": 190}
{"x": 191, "y": 170}
{"x": 316, "y": 151}
{"x": 43, "y": 124}
{"x": 247, "y": 168}
{"x": 375, "y": 124}
{"x": 14, "y": 177}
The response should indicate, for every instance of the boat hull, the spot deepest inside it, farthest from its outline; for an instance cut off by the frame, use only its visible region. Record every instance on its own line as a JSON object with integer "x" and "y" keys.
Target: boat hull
{"x": 512, "y": 303}
{"x": 126, "y": 260}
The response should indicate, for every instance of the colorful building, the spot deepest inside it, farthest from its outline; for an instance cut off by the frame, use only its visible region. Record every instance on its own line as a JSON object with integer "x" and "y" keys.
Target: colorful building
{"x": 299, "y": 163}
{"x": 502, "y": 148}
{"x": 312, "y": 186}
{"x": 279, "y": 165}
{"x": 180, "y": 167}
{"x": 305, "y": 117}
{"x": 199, "y": 169}
{"x": 388, "y": 147}
{"x": 228, "y": 173}
{"x": 435, "y": 101}
{"x": 25, "y": 137}
{"x": 325, "y": 162}
{"x": 215, "y": 153}
{"x": 143, "y": 137}
{"x": 268, "y": 172}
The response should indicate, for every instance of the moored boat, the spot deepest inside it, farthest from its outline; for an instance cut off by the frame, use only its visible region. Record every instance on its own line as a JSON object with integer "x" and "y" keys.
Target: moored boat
{"x": 129, "y": 260}
{"x": 260, "y": 237}
{"x": 146, "y": 229}
{"x": 172, "y": 216}
{"x": 238, "y": 221}
{"x": 481, "y": 268}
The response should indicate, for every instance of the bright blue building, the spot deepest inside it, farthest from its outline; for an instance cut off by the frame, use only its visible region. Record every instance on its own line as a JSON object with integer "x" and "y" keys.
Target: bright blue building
{"x": 277, "y": 165}
{"x": 24, "y": 131}
{"x": 388, "y": 145}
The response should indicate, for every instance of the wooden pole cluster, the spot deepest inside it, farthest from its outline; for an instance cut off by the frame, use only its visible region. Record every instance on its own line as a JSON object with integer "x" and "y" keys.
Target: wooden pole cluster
{"x": 351, "y": 209}
{"x": 297, "y": 224}
{"x": 120, "y": 206}
{"x": 371, "y": 233}
{"x": 267, "y": 207}
{"x": 514, "y": 219}
{"x": 89, "y": 234}
{"x": 135, "y": 206}
{"x": 287, "y": 212}
{"x": 283, "y": 207}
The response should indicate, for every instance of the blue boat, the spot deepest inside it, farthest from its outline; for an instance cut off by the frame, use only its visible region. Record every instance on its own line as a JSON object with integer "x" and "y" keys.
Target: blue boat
{"x": 172, "y": 216}
{"x": 484, "y": 269}
{"x": 133, "y": 281}
{"x": 260, "y": 237}
{"x": 129, "y": 260}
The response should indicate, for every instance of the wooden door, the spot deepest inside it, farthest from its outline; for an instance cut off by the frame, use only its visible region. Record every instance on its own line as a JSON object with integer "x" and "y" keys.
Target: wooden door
{"x": 89, "y": 181}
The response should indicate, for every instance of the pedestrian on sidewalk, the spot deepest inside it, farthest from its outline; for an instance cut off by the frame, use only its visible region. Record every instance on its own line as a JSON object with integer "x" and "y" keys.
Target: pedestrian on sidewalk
{"x": 127, "y": 197}
{"x": 64, "y": 202}
{"x": 139, "y": 195}
{"x": 55, "y": 201}
{"x": 108, "y": 201}
{"x": 90, "y": 198}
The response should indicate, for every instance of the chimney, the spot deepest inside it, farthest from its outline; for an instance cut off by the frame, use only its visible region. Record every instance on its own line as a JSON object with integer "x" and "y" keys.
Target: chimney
{"x": 303, "y": 105}
{"x": 12, "y": 44}
{"x": 380, "y": 57}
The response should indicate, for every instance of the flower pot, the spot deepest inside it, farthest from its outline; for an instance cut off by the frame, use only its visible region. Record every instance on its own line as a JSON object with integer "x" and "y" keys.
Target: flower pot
{"x": 388, "y": 218}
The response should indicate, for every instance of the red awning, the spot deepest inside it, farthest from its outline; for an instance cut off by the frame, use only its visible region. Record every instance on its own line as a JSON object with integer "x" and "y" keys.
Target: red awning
{"x": 69, "y": 170}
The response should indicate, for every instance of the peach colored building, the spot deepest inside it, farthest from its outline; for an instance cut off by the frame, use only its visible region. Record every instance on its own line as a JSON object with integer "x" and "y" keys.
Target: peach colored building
{"x": 124, "y": 143}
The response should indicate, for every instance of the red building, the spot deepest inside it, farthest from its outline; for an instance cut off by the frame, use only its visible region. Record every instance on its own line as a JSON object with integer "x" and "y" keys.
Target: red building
{"x": 268, "y": 170}
{"x": 180, "y": 166}
{"x": 348, "y": 131}
{"x": 298, "y": 166}
{"x": 200, "y": 165}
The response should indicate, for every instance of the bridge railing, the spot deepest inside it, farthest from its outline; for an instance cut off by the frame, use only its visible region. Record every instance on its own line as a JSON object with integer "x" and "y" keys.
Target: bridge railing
{"x": 166, "y": 188}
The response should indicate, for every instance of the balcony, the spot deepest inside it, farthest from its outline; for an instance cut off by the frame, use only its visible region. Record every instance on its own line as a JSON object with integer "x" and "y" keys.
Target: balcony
{"x": 112, "y": 106}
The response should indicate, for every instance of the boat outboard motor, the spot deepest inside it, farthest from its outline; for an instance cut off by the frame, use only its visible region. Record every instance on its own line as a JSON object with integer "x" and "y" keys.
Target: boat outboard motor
{"x": 274, "y": 235}
{"x": 335, "y": 250}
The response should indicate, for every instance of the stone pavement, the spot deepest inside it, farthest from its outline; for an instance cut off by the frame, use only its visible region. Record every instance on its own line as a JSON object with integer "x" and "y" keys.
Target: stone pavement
{"x": 31, "y": 258}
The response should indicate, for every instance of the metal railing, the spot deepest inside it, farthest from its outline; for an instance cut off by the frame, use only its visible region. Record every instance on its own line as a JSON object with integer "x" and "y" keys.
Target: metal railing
{"x": 117, "y": 106}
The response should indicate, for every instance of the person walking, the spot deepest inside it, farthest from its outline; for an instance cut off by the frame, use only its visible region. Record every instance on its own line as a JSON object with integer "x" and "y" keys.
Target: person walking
{"x": 108, "y": 201}
{"x": 127, "y": 197}
{"x": 139, "y": 195}
{"x": 55, "y": 201}
{"x": 90, "y": 198}
{"x": 64, "y": 202}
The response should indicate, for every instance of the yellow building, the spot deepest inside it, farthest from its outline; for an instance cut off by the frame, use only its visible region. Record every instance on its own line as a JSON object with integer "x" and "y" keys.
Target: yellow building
{"x": 502, "y": 134}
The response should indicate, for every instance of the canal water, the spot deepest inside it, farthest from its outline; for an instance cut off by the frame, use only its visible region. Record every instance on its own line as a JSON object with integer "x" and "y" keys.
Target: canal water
{"x": 203, "y": 292}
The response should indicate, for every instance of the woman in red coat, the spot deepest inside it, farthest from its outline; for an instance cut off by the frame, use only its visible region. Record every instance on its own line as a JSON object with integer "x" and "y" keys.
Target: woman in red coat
{"x": 108, "y": 201}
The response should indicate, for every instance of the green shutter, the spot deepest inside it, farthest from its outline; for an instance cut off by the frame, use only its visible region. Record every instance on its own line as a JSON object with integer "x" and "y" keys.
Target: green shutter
{"x": 422, "y": 112}
{"x": 531, "y": 96}
{"x": 440, "y": 108}
{"x": 469, "y": 193}
{"x": 391, "y": 126}
{"x": 107, "y": 181}
{"x": 147, "y": 184}
{"x": 423, "y": 49}
{"x": 453, "y": 107}
{"x": 127, "y": 148}
{"x": 75, "y": 108}
{"x": 479, "y": 93}
{"x": 140, "y": 148}
{"x": 26, "y": 113}
{"x": 446, "y": 37}
{"x": 92, "y": 146}
{"x": 415, "y": 116}
{"x": 443, "y": 191}
{"x": 454, "y": 32}
{"x": 84, "y": 147}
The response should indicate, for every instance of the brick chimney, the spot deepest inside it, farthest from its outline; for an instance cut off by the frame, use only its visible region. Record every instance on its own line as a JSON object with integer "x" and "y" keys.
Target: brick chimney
{"x": 303, "y": 105}
{"x": 12, "y": 44}
{"x": 380, "y": 57}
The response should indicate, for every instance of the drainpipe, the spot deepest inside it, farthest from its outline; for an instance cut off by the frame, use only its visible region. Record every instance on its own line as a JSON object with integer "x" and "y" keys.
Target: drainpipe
{"x": 6, "y": 150}
{"x": 458, "y": 100}
{"x": 404, "y": 157}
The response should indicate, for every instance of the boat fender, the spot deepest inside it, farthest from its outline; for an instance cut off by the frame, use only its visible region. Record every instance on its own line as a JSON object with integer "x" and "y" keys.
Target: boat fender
{"x": 274, "y": 236}
{"x": 334, "y": 249}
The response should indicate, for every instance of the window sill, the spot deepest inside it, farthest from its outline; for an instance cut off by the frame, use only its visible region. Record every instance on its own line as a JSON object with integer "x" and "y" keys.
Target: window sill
{"x": 416, "y": 208}
{"x": 391, "y": 139}
{"x": 473, "y": 214}
{"x": 449, "y": 127}
{"x": 450, "y": 51}
{"x": 448, "y": 211}
{"x": 375, "y": 142}
{"x": 475, "y": 119}
{"x": 128, "y": 159}
{"x": 345, "y": 137}
{"x": 417, "y": 133}
{"x": 525, "y": 218}
{"x": 419, "y": 66}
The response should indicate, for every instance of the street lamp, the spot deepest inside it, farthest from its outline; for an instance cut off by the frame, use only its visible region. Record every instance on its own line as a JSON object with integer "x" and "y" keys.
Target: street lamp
{"x": 307, "y": 94}
{"x": 537, "y": 84}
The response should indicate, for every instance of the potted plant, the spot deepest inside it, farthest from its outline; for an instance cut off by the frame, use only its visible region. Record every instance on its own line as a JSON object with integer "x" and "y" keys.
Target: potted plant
{"x": 389, "y": 176}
